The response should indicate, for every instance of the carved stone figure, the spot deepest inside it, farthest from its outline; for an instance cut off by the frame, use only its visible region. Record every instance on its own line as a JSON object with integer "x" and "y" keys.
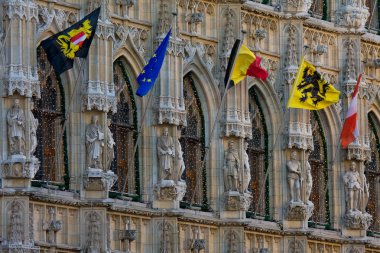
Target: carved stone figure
{"x": 293, "y": 167}
{"x": 16, "y": 129}
{"x": 180, "y": 164}
{"x": 231, "y": 168}
{"x": 309, "y": 179}
{"x": 33, "y": 133}
{"x": 247, "y": 169}
{"x": 15, "y": 227}
{"x": 166, "y": 239}
{"x": 110, "y": 151}
{"x": 94, "y": 144}
{"x": 93, "y": 236}
{"x": 165, "y": 151}
{"x": 356, "y": 190}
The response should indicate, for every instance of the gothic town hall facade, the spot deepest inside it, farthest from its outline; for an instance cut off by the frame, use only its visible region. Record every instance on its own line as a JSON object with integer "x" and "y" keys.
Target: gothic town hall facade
{"x": 88, "y": 166}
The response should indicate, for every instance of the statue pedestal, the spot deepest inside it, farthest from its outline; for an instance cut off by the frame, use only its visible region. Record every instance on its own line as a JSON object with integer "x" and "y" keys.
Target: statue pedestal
{"x": 356, "y": 223}
{"x": 97, "y": 183}
{"x": 235, "y": 205}
{"x": 297, "y": 215}
{"x": 18, "y": 171}
{"x": 168, "y": 194}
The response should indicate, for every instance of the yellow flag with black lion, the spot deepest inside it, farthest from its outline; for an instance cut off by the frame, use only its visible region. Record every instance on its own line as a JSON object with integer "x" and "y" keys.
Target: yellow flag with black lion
{"x": 310, "y": 90}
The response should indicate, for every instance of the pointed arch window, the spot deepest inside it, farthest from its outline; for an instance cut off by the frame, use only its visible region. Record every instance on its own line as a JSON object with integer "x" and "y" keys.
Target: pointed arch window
{"x": 372, "y": 173}
{"x": 258, "y": 157}
{"x": 50, "y": 112}
{"x": 372, "y": 23}
{"x": 318, "y": 163}
{"x": 192, "y": 144}
{"x": 124, "y": 128}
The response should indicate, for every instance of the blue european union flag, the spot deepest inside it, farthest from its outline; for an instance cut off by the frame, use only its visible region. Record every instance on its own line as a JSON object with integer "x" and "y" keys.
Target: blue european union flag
{"x": 150, "y": 72}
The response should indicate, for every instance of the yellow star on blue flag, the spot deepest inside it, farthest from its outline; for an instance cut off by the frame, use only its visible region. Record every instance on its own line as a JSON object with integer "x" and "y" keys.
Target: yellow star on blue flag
{"x": 150, "y": 72}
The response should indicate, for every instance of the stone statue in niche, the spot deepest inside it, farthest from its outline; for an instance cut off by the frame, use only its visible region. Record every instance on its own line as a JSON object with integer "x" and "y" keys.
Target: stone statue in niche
{"x": 231, "y": 168}
{"x": 165, "y": 151}
{"x": 16, "y": 129}
{"x": 293, "y": 168}
{"x": 247, "y": 169}
{"x": 94, "y": 144}
{"x": 309, "y": 179}
{"x": 33, "y": 133}
{"x": 180, "y": 164}
{"x": 15, "y": 226}
{"x": 356, "y": 190}
{"x": 110, "y": 153}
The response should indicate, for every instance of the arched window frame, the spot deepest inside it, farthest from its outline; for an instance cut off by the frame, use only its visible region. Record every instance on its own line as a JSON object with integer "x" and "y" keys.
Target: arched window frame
{"x": 66, "y": 177}
{"x": 251, "y": 214}
{"x": 204, "y": 205}
{"x": 136, "y": 195}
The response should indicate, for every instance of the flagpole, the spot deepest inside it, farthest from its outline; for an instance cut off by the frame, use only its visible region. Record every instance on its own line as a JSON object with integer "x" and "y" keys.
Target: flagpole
{"x": 207, "y": 148}
{"x": 143, "y": 119}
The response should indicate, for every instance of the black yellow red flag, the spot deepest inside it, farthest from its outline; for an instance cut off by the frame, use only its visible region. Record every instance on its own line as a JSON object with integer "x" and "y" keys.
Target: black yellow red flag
{"x": 75, "y": 41}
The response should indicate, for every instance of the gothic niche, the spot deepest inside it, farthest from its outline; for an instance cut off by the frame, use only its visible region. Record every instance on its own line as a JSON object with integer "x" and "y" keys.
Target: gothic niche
{"x": 372, "y": 173}
{"x": 166, "y": 237}
{"x": 232, "y": 242}
{"x": 192, "y": 143}
{"x": 93, "y": 243}
{"x": 123, "y": 126}
{"x": 15, "y": 226}
{"x": 49, "y": 113}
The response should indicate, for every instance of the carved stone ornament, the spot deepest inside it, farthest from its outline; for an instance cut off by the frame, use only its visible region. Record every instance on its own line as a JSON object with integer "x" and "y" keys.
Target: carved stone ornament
{"x": 295, "y": 246}
{"x": 93, "y": 243}
{"x": 299, "y": 7}
{"x": 22, "y": 80}
{"x": 171, "y": 110}
{"x": 357, "y": 220}
{"x": 46, "y": 18}
{"x": 97, "y": 180}
{"x": 138, "y": 36}
{"x": 299, "y": 211}
{"x": 19, "y": 167}
{"x": 100, "y": 96}
{"x": 51, "y": 226}
{"x": 20, "y": 9}
{"x": 232, "y": 242}
{"x": 300, "y": 136}
{"x": 169, "y": 190}
{"x": 207, "y": 54}
{"x": 359, "y": 150}
{"x": 196, "y": 244}
{"x": 235, "y": 201}
{"x": 353, "y": 249}
{"x": 353, "y": 15}
{"x": 236, "y": 124}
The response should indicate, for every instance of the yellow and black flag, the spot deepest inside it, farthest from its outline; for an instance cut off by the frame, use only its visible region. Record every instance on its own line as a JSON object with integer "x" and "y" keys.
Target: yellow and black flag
{"x": 75, "y": 41}
{"x": 310, "y": 91}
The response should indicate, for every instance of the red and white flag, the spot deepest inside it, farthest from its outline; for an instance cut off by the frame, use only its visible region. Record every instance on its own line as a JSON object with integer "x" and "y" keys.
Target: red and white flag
{"x": 350, "y": 129}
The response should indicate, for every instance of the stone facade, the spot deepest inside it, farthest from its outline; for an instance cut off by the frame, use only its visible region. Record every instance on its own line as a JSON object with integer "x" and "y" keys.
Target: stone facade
{"x": 86, "y": 166}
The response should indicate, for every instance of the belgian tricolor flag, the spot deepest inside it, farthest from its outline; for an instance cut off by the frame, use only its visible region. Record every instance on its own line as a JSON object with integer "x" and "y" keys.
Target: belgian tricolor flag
{"x": 75, "y": 41}
{"x": 243, "y": 62}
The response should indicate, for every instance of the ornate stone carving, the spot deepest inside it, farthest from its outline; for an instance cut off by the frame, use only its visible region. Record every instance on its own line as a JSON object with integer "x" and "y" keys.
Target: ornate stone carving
{"x": 246, "y": 169}
{"x": 235, "y": 201}
{"x": 93, "y": 242}
{"x": 169, "y": 190}
{"x": 166, "y": 240}
{"x": 16, "y": 129}
{"x": 110, "y": 147}
{"x": 357, "y": 220}
{"x": 295, "y": 246}
{"x": 97, "y": 180}
{"x": 352, "y": 15}
{"x": 236, "y": 125}
{"x": 194, "y": 19}
{"x": 272, "y": 67}
{"x": 21, "y": 79}
{"x": 350, "y": 66}
{"x": 47, "y": 16}
{"x": 356, "y": 189}
{"x": 33, "y": 125}
{"x": 179, "y": 163}
{"x": 229, "y": 37}
{"x": 139, "y": 38}
{"x": 359, "y": 150}
{"x": 164, "y": 18}
{"x": 206, "y": 52}
{"x": 299, "y": 211}
{"x": 16, "y": 223}
{"x": 232, "y": 242}
{"x": 295, "y": 179}
{"x": 99, "y": 95}
{"x": 20, "y": 9}
{"x": 171, "y": 110}
{"x": 128, "y": 235}
{"x": 94, "y": 144}
{"x": 196, "y": 244}
{"x": 300, "y": 136}
{"x": 166, "y": 154}
{"x": 300, "y": 7}
{"x": 51, "y": 226}
{"x": 19, "y": 167}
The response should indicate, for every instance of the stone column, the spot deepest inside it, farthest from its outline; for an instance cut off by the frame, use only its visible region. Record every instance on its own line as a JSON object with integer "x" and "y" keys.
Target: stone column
{"x": 235, "y": 126}
{"x": 170, "y": 112}
{"x": 298, "y": 137}
{"x": 98, "y": 97}
{"x": 20, "y": 83}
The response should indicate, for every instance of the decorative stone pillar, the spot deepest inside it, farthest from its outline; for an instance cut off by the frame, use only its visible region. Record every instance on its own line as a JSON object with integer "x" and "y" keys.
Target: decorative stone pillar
{"x": 17, "y": 226}
{"x": 94, "y": 230}
{"x": 352, "y": 14}
{"x": 170, "y": 113}
{"x": 98, "y": 98}
{"x": 20, "y": 83}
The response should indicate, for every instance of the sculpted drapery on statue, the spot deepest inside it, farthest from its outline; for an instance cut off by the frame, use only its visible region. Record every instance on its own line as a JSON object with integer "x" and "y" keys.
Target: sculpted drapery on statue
{"x": 293, "y": 168}
{"x": 180, "y": 164}
{"x": 94, "y": 144}
{"x": 309, "y": 179}
{"x": 247, "y": 169}
{"x": 110, "y": 153}
{"x": 166, "y": 153}
{"x": 231, "y": 168}
{"x": 33, "y": 133}
{"x": 16, "y": 129}
{"x": 356, "y": 190}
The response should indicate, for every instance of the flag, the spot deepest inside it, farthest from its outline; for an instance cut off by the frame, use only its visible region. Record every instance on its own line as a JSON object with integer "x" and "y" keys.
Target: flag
{"x": 310, "y": 91}
{"x": 150, "y": 72}
{"x": 75, "y": 41}
{"x": 350, "y": 130}
{"x": 243, "y": 62}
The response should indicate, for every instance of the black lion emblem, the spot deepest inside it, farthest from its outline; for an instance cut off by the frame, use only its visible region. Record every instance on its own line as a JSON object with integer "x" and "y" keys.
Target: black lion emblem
{"x": 312, "y": 86}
